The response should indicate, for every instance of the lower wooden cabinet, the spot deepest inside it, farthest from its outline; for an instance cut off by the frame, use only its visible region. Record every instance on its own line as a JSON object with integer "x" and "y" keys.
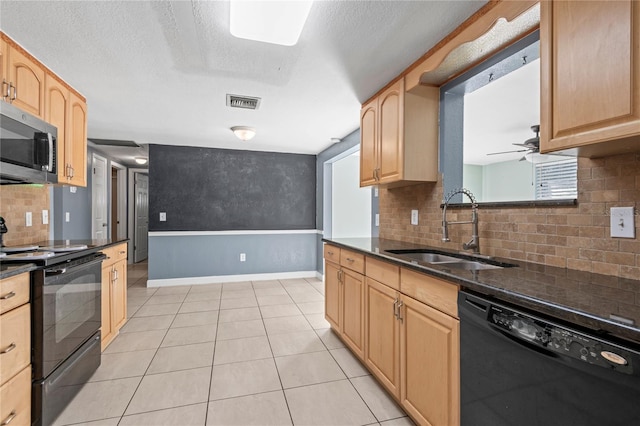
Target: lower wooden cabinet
{"x": 344, "y": 305}
{"x": 411, "y": 346}
{"x": 15, "y": 351}
{"x": 430, "y": 364}
{"x": 114, "y": 293}
{"x": 382, "y": 354}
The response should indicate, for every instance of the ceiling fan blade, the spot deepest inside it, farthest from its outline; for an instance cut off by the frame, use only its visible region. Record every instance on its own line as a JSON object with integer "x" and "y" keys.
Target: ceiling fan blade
{"x": 507, "y": 152}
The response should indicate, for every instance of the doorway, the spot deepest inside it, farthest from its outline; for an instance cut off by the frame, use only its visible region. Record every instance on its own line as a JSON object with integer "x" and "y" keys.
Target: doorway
{"x": 99, "y": 208}
{"x": 141, "y": 217}
{"x": 118, "y": 229}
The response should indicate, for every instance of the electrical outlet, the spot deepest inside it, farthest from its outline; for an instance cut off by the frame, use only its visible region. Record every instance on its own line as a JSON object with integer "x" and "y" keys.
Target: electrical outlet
{"x": 377, "y": 219}
{"x": 375, "y": 191}
{"x": 243, "y": 257}
{"x": 28, "y": 219}
{"x": 73, "y": 189}
{"x": 45, "y": 217}
{"x": 414, "y": 217}
{"x": 163, "y": 216}
{"x": 67, "y": 217}
{"x": 622, "y": 222}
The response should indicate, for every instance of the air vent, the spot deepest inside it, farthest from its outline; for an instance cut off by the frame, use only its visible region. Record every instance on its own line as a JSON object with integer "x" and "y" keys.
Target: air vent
{"x": 114, "y": 142}
{"x": 246, "y": 102}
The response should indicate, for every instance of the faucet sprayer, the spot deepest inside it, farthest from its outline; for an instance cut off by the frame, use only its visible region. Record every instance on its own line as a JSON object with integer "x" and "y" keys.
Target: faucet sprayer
{"x": 474, "y": 243}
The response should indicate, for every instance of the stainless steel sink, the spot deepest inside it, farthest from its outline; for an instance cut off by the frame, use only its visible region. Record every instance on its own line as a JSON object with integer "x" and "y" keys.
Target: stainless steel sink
{"x": 431, "y": 257}
{"x": 450, "y": 261}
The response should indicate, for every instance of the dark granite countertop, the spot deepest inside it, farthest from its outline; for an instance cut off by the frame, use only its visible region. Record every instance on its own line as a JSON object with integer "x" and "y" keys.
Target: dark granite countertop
{"x": 9, "y": 269}
{"x": 604, "y": 304}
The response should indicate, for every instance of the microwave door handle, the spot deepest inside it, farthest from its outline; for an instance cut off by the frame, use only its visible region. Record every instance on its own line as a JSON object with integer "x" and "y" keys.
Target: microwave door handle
{"x": 50, "y": 165}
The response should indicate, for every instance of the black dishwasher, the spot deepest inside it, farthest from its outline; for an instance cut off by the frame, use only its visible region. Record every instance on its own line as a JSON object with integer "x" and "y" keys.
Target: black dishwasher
{"x": 517, "y": 368}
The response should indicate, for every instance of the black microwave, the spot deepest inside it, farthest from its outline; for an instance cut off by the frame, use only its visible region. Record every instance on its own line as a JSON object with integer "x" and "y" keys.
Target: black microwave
{"x": 27, "y": 148}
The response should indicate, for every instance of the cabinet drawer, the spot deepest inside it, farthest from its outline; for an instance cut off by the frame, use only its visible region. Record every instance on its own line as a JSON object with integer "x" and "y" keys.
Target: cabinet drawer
{"x": 435, "y": 292}
{"x": 16, "y": 399}
{"x": 383, "y": 272}
{"x": 332, "y": 253}
{"x": 114, "y": 254}
{"x": 352, "y": 260}
{"x": 14, "y": 291}
{"x": 15, "y": 342}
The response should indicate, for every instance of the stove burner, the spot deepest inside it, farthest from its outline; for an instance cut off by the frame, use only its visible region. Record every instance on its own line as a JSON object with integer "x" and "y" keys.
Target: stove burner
{"x": 65, "y": 247}
{"x": 17, "y": 249}
{"x": 30, "y": 255}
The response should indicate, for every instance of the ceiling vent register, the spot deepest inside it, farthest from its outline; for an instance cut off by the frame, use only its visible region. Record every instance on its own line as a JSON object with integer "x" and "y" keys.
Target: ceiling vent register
{"x": 246, "y": 102}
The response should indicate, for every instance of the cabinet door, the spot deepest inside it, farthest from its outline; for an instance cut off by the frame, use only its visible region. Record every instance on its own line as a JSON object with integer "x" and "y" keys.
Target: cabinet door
{"x": 429, "y": 360}
{"x": 332, "y": 297}
{"x": 28, "y": 79}
{"x": 119, "y": 302}
{"x": 4, "y": 78}
{"x": 382, "y": 335}
{"x": 77, "y": 141}
{"x": 391, "y": 133}
{"x": 590, "y": 74}
{"x": 56, "y": 112}
{"x": 353, "y": 311}
{"x": 106, "y": 329}
{"x": 368, "y": 144}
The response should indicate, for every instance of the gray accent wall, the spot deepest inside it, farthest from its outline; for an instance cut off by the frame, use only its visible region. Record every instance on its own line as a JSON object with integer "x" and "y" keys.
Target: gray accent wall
{"x": 215, "y": 198}
{"x": 219, "y": 255}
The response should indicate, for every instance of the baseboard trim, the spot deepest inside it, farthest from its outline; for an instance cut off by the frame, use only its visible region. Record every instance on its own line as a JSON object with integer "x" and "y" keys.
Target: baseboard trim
{"x": 166, "y": 282}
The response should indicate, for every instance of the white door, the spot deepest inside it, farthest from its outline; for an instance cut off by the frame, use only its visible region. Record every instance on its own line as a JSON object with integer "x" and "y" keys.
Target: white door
{"x": 140, "y": 243}
{"x": 99, "y": 211}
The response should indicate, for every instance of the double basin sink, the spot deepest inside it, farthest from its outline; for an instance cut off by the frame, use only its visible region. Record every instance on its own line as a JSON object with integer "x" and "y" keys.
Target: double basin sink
{"x": 451, "y": 261}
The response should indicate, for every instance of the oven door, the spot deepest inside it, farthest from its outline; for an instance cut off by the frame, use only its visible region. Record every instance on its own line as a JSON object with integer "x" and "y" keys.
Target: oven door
{"x": 66, "y": 310}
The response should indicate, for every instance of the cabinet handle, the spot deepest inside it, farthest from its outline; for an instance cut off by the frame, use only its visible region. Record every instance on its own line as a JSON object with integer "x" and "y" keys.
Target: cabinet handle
{"x": 340, "y": 276}
{"x": 330, "y": 253}
{"x": 11, "y": 416}
{"x": 15, "y": 92}
{"x": 8, "y": 349}
{"x": 5, "y": 93}
{"x": 350, "y": 260}
{"x": 7, "y": 296}
{"x": 400, "y": 305}
{"x": 122, "y": 252}
{"x": 395, "y": 308}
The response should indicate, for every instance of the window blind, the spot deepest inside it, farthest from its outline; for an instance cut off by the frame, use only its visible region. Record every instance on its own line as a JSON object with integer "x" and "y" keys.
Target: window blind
{"x": 556, "y": 180}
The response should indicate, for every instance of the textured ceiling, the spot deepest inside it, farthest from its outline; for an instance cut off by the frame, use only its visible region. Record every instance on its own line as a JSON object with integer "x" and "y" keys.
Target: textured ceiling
{"x": 158, "y": 72}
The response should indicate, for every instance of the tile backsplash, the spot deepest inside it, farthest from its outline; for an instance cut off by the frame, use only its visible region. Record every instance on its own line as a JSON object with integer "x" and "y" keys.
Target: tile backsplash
{"x": 575, "y": 237}
{"x": 15, "y": 201}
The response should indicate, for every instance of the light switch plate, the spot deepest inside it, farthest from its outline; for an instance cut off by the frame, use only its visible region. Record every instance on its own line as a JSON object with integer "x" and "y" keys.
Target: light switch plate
{"x": 28, "y": 219}
{"x": 45, "y": 217}
{"x": 163, "y": 216}
{"x": 622, "y": 222}
{"x": 377, "y": 219}
{"x": 414, "y": 217}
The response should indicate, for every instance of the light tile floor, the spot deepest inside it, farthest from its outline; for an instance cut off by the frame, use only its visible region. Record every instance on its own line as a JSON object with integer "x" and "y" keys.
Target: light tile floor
{"x": 249, "y": 353}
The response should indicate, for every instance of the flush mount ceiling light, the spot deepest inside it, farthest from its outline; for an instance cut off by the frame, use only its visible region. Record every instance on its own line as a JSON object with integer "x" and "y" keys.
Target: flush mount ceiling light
{"x": 243, "y": 132}
{"x": 140, "y": 160}
{"x": 277, "y": 22}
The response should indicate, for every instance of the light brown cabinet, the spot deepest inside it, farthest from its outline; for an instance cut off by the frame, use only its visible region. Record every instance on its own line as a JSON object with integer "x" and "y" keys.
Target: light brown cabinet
{"x": 114, "y": 293}
{"x": 344, "y": 297}
{"x": 25, "y": 80}
{"x": 33, "y": 88}
{"x": 15, "y": 350}
{"x": 399, "y": 136}
{"x": 590, "y": 77}
{"x": 412, "y": 335}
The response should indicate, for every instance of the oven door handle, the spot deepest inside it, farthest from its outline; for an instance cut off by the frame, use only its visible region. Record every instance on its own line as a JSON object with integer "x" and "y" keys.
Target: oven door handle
{"x": 59, "y": 271}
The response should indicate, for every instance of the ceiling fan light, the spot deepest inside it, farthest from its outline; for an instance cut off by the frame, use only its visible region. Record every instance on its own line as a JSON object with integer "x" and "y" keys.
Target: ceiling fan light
{"x": 244, "y": 133}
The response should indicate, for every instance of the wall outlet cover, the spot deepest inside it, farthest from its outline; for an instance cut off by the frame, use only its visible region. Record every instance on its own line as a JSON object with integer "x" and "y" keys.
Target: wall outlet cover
{"x": 45, "y": 217}
{"x": 28, "y": 219}
{"x": 163, "y": 216}
{"x": 622, "y": 222}
{"x": 414, "y": 217}
{"x": 243, "y": 257}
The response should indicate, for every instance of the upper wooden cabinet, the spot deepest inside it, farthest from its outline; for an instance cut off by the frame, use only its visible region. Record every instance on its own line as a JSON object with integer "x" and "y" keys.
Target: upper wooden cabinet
{"x": 76, "y": 154}
{"x": 26, "y": 82}
{"x": 399, "y": 136}
{"x": 590, "y": 77}
{"x": 33, "y": 88}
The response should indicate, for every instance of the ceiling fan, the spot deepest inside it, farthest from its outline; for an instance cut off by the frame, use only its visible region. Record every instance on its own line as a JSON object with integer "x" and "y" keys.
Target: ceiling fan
{"x": 531, "y": 145}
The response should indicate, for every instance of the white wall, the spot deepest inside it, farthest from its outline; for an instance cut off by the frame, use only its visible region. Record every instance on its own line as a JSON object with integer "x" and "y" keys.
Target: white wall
{"x": 350, "y": 204}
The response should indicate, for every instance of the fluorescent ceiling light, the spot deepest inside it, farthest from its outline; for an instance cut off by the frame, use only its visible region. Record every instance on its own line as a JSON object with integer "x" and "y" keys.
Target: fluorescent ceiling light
{"x": 277, "y": 22}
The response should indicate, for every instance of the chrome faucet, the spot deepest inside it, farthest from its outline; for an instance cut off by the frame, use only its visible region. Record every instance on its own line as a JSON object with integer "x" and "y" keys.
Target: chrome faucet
{"x": 474, "y": 243}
